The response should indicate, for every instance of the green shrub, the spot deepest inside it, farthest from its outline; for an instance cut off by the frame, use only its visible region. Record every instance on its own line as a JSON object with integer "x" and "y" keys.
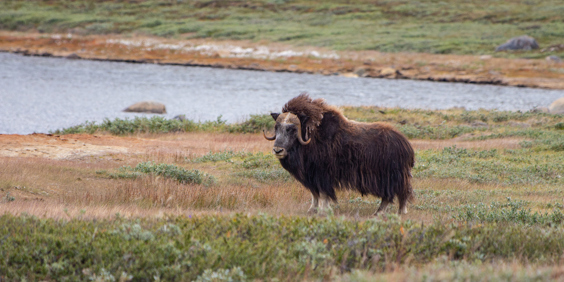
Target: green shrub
{"x": 510, "y": 212}
{"x": 257, "y": 247}
{"x": 125, "y": 126}
{"x": 219, "y": 156}
{"x": 256, "y": 123}
{"x": 259, "y": 160}
{"x": 523, "y": 166}
{"x": 434, "y": 132}
{"x": 228, "y": 275}
{"x": 266, "y": 175}
{"x": 180, "y": 174}
{"x": 175, "y": 172}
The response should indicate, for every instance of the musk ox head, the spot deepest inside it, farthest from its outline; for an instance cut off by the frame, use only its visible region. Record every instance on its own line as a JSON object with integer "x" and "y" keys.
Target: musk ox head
{"x": 299, "y": 120}
{"x": 288, "y": 133}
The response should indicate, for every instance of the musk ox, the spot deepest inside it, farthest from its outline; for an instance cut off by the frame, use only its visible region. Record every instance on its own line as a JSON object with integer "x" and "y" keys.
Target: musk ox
{"x": 325, "y": 152}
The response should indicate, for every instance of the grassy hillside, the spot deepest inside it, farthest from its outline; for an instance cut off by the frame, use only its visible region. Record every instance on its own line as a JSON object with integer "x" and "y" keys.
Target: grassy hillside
{"x": 444, "y": 27}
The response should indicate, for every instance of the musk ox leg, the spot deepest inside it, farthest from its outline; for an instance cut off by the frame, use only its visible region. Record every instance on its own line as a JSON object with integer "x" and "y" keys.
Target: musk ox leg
{"x": 314, "y": 205}
{"x": 402, "y": 206}
{"x": 382, "y": 207}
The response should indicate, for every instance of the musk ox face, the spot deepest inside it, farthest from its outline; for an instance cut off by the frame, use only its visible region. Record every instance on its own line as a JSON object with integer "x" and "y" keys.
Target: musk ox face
{"x": 287, "y": 134}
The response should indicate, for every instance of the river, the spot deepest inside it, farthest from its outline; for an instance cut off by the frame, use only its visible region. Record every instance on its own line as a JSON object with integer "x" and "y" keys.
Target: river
{"x": 39, "y": 94}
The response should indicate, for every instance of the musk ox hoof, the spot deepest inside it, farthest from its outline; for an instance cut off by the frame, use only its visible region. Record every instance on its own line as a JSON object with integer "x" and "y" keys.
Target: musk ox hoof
{"x": 312, "y": 211}
{"x": 402, "y": 211}
{"x": 378, "y": 214}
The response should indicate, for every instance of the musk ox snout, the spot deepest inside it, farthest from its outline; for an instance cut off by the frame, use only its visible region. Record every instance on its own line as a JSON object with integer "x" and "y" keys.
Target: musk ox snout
{"x": 279, "y": 152}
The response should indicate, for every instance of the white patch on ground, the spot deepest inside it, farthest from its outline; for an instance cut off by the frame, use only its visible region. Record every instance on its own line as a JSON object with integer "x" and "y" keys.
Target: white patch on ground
{"x": 223, "y": 50}
{"x": 66, "y": 152}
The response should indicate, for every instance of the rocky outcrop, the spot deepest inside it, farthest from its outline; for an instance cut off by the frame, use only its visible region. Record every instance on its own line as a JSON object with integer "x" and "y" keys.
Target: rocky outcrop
{"x": 557, "y": 107}
{"x": 390, "y": 73}
{"x": 147, "y": 107}
{"x": 553, "y": 58}
{"x": 180, "y": 117}
{"x": 518, "y": 43}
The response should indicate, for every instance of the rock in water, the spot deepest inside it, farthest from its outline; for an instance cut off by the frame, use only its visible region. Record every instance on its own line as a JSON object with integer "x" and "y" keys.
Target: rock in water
{"x": 73, "y": 56}
{"x": 518, "y": 43}
{"x": 147, "y": 107}
{"x": 557, "y": 107}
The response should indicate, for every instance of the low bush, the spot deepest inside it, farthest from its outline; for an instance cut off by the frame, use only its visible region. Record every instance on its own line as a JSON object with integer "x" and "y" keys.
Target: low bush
{"x": 180, "y": 174}
{"x": 157, "y": 124}
{"x": 512, "y": 211}
{"x": 259, "y": 166}
{"x": 253, "y": 247}
{"x": 256, "y": 123}
{"x": 523, "y": 166}
{"x": 220, "y": 156}
{"x": 415, "y": 124}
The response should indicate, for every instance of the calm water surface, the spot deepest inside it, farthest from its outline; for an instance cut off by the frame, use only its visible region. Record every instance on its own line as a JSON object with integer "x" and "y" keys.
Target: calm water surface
{"x": 42, "y": 94}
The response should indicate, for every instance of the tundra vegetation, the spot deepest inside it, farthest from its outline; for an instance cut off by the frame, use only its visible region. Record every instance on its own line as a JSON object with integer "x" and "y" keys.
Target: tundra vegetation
{"x": 440, "y": 27}
{"x": 488, "y": 189}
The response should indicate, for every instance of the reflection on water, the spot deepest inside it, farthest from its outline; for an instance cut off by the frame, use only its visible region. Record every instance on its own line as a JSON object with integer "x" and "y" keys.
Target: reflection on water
{"x": 41, "y": 94}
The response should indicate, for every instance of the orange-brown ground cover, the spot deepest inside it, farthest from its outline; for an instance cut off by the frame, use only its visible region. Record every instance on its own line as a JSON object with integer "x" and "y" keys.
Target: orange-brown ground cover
{"x": 62, "y": 176}
{"x": 224, "y": 54}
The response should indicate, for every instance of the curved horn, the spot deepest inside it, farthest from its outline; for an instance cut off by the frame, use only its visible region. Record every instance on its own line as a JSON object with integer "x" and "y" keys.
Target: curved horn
{"x": 268, "y": 138}
{"x": 300, "y": 135}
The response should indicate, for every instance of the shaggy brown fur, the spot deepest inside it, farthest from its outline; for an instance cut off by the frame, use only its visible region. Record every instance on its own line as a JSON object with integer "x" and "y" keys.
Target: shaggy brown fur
{"x": 371, "y": 158}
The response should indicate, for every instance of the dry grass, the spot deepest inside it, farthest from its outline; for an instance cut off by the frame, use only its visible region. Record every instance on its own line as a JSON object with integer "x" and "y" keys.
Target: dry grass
{"x": 175, "y": 146}
{"x": 506, "y": 143}
{"x": 63, "y": 188}
{"x": 445, "y": 270}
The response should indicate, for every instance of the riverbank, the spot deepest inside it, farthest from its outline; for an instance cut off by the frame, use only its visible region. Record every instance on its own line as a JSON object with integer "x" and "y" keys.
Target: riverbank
{"x": 277, "y": 57}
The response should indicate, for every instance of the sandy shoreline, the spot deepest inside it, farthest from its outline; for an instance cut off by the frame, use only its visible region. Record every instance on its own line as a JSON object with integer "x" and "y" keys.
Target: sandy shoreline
{"x": 264, "y": 56}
